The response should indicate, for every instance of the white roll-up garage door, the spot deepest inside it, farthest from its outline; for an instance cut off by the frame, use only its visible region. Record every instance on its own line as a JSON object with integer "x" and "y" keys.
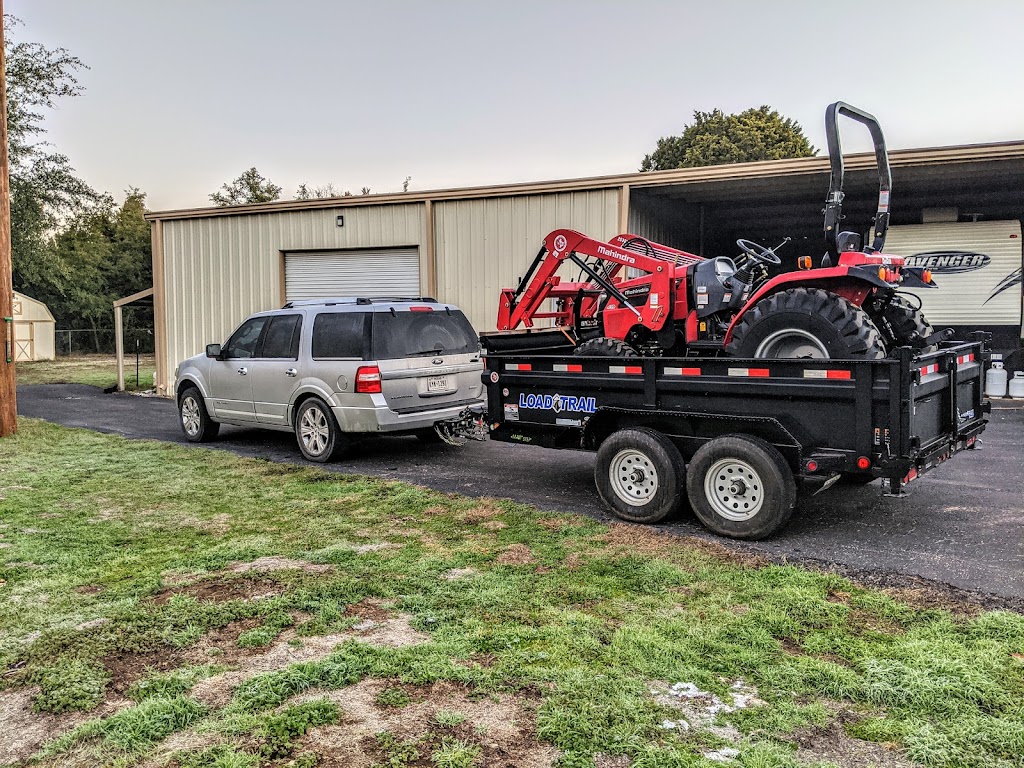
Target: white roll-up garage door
{"x": 332, "y": 274}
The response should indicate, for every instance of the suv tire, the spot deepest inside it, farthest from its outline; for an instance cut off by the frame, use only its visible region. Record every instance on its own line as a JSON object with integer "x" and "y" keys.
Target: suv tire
{"x": 316, "y": 431}
{"x": 194, "y": 419}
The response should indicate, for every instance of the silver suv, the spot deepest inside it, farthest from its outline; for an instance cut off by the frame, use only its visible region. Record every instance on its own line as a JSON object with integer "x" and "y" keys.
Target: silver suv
{"x": 334, "y": 369}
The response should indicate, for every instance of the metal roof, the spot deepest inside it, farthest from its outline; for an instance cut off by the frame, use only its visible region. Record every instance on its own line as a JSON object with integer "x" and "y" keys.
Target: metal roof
{"x": 765, "y": 170}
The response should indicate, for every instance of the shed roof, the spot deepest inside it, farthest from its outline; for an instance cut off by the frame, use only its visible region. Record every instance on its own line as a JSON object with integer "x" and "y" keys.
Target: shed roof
{"x": 945, "y": 160}
{"x": 33, "y": 309}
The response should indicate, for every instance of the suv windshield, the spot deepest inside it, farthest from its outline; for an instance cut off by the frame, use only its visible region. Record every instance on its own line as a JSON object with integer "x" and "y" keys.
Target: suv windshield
{"x": 408, "y": 334}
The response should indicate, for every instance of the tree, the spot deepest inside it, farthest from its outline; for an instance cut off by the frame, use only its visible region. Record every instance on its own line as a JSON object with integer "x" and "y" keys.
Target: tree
{"x": 304, "y": 192}
{"x": 715, "y": 138}
{"x": 250, "y": 187}
{"x": 44, "y": 189}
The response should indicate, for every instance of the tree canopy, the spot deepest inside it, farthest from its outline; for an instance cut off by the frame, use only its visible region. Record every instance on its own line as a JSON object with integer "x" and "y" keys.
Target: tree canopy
{"x": 249, "y": 187}
{"x": 715, "y": 138}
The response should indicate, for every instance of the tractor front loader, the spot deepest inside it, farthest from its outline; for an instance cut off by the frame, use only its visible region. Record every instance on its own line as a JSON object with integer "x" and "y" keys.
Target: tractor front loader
{"x": 636, "y": 297}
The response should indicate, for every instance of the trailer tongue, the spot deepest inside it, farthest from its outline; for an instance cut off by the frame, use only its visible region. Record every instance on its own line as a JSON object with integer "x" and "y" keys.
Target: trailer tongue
{"x": 735, "y": 438}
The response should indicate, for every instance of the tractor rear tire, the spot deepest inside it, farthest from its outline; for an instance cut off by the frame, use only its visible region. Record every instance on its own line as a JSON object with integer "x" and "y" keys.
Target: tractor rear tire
{"x": 908, "y": 325}
{"x": 603, "y": 346}
{"x": 806, "y": 323}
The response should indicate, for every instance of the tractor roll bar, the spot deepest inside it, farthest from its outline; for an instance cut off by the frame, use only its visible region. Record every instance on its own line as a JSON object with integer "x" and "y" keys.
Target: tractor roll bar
{"x": 834, "y": 201}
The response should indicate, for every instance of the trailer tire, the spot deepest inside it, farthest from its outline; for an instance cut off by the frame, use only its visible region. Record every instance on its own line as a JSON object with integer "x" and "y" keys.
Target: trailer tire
{"x": 740, "y": 486}
{"x": 640, "y": 475}
{"x": 603, "y": 346}
{"x": 806, "y": 323}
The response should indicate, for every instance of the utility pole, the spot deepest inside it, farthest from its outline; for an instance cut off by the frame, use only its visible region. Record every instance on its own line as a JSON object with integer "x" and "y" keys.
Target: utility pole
{"x": 8, "y": 405}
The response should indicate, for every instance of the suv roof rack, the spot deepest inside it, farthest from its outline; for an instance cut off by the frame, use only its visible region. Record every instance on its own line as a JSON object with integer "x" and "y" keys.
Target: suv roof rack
{"x": 354, "y": 300}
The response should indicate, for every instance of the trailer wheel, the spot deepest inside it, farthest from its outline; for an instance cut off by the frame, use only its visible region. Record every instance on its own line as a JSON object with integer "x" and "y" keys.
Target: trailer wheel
{"x": 806, "y": 323}
{"x": 603, "y": 346}
{"x": 640, "y": 475}
{"x": 740, "y": 487}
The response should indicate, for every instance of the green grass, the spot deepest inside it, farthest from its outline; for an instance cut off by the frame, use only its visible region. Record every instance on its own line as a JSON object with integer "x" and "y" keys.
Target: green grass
{"x": 94, "y": 370}
{"x": 96, "y": 527}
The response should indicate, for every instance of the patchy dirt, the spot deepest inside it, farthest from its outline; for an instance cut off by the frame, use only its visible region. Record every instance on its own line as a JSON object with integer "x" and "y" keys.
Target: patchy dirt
{"x": 602, "y": 760}
{"x": 554, "y": 523}
{"x": 128, "y": 668}
{"x": 517, "y": 554}
{"x": 484, "y": 510}
{"x": 573, "y": 561}
{"x": 831, "y": 744}
{"x": 502, "y": 728}
{"x": 89, "y": 589}
{"x": 363, "y": 549}
{"x": 269, "y": 564}
{"x": 23, "y": 731}
{"x": 377, "y": 626}
{"x": 493, "y": 525}
{"x": 220, "y": 589}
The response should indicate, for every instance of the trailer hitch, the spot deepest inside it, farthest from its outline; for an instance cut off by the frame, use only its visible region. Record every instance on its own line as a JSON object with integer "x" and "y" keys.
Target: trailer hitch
{"x": 468, "y": 425}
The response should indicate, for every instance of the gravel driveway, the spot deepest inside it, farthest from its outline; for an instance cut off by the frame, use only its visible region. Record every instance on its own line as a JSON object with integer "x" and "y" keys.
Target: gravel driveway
{"x": 962, "y": 525}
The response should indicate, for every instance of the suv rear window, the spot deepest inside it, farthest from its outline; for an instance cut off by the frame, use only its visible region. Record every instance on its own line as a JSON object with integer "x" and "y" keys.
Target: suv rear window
{"x": 410, "y": 334}
{"x": 340, "y": 334}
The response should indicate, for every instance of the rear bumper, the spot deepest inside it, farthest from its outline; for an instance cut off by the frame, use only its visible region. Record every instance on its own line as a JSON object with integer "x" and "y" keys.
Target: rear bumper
{"x": 380, "y": 418}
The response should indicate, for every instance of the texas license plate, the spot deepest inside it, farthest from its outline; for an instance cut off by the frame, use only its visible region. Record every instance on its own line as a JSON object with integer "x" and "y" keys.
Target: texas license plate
{"x": 438, "y": 384}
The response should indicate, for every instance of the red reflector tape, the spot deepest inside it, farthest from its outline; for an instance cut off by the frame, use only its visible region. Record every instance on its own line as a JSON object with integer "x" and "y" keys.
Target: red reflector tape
{"x": 518, "y": 367}
{"x": 563, "y": 368}
{"x": 930, "y": 369}
{"x": 682, "y": 371}
{"x": 965, "y": 359}
{"x": 834, "y": 374}
{"x": 761, "y": 373}
{"x": 633, "y": 370}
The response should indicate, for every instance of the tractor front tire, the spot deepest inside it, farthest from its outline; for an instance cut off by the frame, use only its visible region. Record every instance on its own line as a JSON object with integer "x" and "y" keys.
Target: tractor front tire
{"x": 603, "y": 346}
{"x": 806, "y": 323}
{"x": 907, "y": 324}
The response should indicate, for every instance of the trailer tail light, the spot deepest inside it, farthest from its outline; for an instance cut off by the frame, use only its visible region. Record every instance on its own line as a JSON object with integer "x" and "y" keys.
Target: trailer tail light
{"x": 812, "y": 466}
{"x": 863, "y": 463}
{"x": 368, "y": 380}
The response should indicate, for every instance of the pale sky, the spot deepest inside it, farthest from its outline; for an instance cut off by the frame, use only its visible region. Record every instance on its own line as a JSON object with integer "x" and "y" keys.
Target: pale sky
{"x": 183, "y": 95}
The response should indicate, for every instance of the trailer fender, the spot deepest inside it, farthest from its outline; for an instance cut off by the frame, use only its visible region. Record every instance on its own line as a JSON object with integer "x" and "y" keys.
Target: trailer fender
{"x": 690, "y": 429}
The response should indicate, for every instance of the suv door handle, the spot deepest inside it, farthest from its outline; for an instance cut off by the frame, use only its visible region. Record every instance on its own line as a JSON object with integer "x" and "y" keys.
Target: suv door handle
{"x": 291, "y": 372}
{"x": 243, "y": 371}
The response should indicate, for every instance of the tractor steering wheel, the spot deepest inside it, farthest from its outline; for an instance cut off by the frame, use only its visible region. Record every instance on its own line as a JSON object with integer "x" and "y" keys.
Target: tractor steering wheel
{"x": 757, "y": 252}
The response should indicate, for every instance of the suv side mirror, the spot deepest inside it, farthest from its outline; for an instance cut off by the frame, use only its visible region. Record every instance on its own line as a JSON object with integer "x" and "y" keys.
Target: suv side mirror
{"x": 213, "y": 350}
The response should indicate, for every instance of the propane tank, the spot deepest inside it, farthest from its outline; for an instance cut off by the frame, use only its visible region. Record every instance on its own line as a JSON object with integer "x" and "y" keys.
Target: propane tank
{"x": 995, "y": 378}
{"x": 1017, "y": 386}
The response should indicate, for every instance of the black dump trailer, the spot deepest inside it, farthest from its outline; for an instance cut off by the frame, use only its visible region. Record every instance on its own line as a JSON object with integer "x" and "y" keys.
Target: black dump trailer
{"x": 737, "y": 437}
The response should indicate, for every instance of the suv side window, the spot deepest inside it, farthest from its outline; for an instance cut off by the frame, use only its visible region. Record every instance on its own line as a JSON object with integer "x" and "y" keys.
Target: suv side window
{"x": 242, "y": 343}
{"x": 282, "y": 337}
{"x": 340, "y": 335}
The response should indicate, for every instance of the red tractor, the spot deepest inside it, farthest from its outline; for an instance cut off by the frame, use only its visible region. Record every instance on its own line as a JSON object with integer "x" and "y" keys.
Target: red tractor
{"x": 636, "y": 297}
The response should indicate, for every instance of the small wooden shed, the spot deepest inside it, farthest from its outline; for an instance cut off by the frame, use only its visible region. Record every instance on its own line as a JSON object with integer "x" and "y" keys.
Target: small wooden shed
{"x": 34, "y": 328}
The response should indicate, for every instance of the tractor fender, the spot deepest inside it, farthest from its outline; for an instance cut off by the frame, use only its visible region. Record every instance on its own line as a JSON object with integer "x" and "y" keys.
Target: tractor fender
{"x": 853, "y": 283}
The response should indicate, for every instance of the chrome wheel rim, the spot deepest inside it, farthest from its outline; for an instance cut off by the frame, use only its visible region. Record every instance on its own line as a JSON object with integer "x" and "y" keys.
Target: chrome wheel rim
{"x": 792, "y": 342}
{"x": 314, "y": 430}
{"x": 633, "y": 477}
{"x": 190, "y": 418}
{"x": 734, "y": 489}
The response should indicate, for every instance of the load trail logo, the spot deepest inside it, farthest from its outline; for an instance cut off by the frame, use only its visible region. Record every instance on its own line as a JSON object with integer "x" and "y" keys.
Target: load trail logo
{"x": 557, "y": 403}
{"x": 949, "y": 262}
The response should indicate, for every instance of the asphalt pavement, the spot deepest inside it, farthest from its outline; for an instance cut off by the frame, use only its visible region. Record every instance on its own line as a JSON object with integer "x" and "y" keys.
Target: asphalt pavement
{"x": 962, "y": 524}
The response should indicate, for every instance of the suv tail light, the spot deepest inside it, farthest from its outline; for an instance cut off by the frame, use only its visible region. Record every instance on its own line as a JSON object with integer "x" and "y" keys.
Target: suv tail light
{"x": 368, "y": 380}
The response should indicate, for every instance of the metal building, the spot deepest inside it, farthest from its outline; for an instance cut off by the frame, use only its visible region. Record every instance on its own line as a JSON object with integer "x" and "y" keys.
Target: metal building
{"x": 34, "y": 328}
{"x": 214, "y": 266}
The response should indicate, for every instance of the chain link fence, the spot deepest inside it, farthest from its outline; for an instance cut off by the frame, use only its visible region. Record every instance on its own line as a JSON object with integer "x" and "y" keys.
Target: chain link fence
{"x": 101, "y": 341}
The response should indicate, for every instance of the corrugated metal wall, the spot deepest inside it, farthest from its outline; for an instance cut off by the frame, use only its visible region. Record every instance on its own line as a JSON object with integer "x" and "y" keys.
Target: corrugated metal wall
{"x": 965, "y": 297}
{"x": 220, "y": 269}
{"x": 483, "y": 245}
